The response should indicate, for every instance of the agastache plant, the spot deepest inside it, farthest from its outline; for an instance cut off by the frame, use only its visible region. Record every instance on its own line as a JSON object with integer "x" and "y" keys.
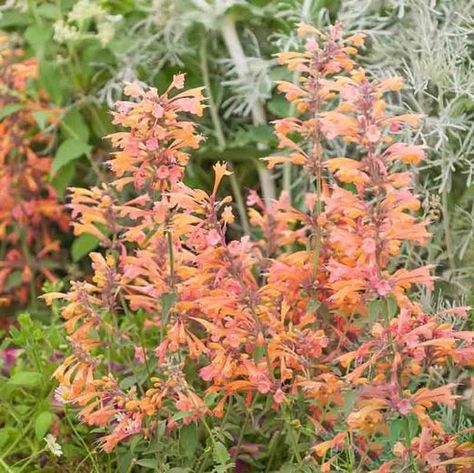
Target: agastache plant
{"x": 31, "y": 214}
{"x": 310, "y": 323}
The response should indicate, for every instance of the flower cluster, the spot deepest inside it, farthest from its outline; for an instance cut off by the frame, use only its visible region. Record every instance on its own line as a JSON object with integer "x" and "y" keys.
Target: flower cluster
{"x": 75, "y": 26}
{"x": 313, "y": 314}
{"x": 29, "y": 207}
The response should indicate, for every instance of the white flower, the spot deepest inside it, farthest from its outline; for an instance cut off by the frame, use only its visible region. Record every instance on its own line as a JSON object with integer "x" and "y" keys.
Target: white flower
{"x": 85, "y": 9}
{"x": 53, "y": 446}
{"x": 64, "y": 32}
{"x": 105, "y": 32}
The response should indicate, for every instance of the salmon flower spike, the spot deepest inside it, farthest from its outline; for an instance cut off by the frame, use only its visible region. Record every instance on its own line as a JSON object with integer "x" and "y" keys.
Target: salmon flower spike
{"x": 309, "y": 323}
{"x": 32, "y": 216}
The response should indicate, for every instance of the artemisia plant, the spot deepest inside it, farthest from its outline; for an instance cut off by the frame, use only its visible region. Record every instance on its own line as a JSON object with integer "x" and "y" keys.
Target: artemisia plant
{"x": 308, "y": 328}
{"x": 29, "y": 207}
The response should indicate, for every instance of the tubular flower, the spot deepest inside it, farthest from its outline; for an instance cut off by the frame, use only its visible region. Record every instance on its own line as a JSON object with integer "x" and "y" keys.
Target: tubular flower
{"x": 31, "y": 214}
{"x": 313, "y": 314}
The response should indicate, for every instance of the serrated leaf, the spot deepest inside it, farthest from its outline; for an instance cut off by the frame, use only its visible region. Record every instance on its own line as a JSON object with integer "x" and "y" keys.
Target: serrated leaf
{"x": 221, "y": 454}
{"x": 42, "y": 424}
{"x": 83, "y": 245}
{"x": 9, "y": 109}
{"x": 25, "y": 378}
{"x": 69, "y": 151}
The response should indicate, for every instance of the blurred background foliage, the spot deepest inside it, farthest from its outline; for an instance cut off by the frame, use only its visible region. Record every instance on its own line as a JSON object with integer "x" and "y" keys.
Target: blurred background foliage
{"x": 86, "y": 50}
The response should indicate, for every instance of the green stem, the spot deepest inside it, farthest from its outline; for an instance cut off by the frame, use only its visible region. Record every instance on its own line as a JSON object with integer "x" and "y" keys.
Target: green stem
{"x": 29, "y": 262}
{"x": 35, "y": 455}
{"x": 171, "y": 256}
{"x": 294, "y": 442}
{"x": 221, "y": 138}
{"x": 32, "y": 7}
{"x": 446, "y": 227}
{"x": 350, "y": 451}
{"x": 408, "y": 439}
{"x": 18, "y": 439}
{"x": 81, "y": 440}
{"x": 287, "y": 166}
{"x": 272, "y": 452}
{"x": 6, "y": 467}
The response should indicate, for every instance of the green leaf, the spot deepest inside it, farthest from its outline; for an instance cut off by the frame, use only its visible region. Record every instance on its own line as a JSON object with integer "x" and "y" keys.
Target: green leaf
{"x": 14, "y": 279}
{"x": 38, "y": 37}
{"x": 181, "y": 415}
{"x": 313, "y": 305}
{"x": 74, "y": 126}
{"x": 25, "y": 378}
{"x": 14, "y": 18}
{"x": 124, "y": 462}
{"x": 127, "y": 382}
{"x": 49, "y": 11}
{"x": 83, "y": 245}
{"x": 101, "y": 122}
{"x": 259, "y": 354}
{"x": 167, "y": 301}
{"x": 221, "y": 454}
{"x": 148, "y": 463}
{"x": 392, "y": 306}
{"x": 279, "y": 106}
{"x": 188, "y": 440}
{"x": 374, "y": 310}
{"x": 42, "y": 424}
{"x": 62, "y": 179}
{"x": 396, "y": 427}
{"x": 9, "y": 110}
{"x": 289, "y": 468}
{"x": 53, "y": 81}
{"x": 5, "y": 435}
{"x": 210, "y": 399}
{"x": 349, "y": 401}
{"x": 260, "y": 134}
{"x": 41, "y": 118}
{"x": 69, "y": 151}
